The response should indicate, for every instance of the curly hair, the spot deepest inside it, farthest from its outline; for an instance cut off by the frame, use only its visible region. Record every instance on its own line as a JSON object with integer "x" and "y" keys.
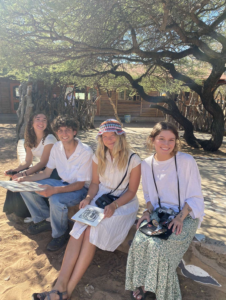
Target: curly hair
{"x": 160, "y": 127}
{"x": 65, "y": 121}
{"x": 30, "y": 136}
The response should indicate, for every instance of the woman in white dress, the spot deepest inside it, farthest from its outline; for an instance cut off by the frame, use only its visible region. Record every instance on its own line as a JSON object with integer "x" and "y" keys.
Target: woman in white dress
{"x": 39, "y": 140}
{"x": 109, "y": 166}
{"x": 171, "y": 183}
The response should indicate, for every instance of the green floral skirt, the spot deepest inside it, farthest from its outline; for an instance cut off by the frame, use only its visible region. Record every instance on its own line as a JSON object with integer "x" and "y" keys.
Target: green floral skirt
{"x": 152, "y": 262}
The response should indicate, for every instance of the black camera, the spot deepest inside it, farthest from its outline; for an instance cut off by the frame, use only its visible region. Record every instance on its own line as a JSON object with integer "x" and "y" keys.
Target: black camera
{"x": 166, "y": 215}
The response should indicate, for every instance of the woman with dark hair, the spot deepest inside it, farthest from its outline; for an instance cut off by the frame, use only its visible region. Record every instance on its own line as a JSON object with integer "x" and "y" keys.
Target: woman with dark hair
{"x": 39, "y": 140}
{"x": 175, "y": 208}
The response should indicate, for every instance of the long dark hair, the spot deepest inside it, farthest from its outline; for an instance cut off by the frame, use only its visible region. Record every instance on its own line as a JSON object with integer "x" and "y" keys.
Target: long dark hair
{"x": 30, "y": 136}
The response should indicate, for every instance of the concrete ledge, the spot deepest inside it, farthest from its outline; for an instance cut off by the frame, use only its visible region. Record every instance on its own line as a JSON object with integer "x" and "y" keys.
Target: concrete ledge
{"x": 205, "y": 264}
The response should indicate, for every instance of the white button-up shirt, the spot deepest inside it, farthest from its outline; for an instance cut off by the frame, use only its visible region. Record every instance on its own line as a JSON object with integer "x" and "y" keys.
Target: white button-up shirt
{"x": 78, "y": 167}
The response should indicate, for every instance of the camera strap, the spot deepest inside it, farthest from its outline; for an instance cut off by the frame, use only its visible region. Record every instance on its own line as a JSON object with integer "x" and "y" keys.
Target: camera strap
{"x": 111, "y": 192}
{"x": 178, "y": 185}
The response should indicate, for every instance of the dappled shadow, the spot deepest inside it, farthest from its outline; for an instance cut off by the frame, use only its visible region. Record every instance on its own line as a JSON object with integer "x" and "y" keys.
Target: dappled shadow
{"x": 106, "y": 273}
{"x": 7, "y": 143}
{"x": 200, "y": 152}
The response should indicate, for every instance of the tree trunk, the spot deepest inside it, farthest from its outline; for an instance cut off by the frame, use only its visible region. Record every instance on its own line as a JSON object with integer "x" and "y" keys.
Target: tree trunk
{"x": 173, "y": 110}
{"x": 217, "y": 131}
{"x": 21, "y": 110}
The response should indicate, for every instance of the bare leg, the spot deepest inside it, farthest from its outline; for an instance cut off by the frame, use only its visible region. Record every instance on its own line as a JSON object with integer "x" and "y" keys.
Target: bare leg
{"x": 69, "y": 261}
{"x": 85, "y": 257}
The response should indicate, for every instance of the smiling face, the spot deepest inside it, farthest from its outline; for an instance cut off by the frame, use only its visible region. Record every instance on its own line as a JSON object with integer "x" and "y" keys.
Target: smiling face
{"x": 66, "y": 134}
{"x": 39, "y": 122}
{"x": 165, "y": 143}
{"x": 109, "y": 139}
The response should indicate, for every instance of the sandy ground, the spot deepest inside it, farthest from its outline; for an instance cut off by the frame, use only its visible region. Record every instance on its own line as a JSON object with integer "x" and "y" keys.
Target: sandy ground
{"x": 26, "y": 267}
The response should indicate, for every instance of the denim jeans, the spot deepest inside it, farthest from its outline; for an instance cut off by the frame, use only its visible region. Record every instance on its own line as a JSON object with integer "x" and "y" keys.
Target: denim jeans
{"x": 58, "y": 206}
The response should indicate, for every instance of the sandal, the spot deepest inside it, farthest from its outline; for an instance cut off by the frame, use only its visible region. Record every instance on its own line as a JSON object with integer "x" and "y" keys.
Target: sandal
{"x": 41, "y": 296}
{"x": 140, "y": 294}
{"x": 46, "y": 294}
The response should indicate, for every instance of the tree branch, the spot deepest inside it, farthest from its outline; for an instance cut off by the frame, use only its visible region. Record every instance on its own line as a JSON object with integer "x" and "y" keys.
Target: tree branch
{"x": 177, "y": 75}
{"x": 195, "y": 41}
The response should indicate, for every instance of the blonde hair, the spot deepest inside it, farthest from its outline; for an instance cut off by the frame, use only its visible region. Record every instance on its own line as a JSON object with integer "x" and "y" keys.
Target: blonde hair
{"x": 120, "y": 153}
{"x": 160, "y": 127}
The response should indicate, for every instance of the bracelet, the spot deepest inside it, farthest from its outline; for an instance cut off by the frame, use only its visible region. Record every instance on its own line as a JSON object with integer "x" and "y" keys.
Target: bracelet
{"x": 88, "y": 199}
{"x": 147, "y": 210}
{"x": 116, "y": 204}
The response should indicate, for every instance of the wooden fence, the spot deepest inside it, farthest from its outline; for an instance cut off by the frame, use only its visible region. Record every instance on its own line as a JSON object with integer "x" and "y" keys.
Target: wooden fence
{"x": 192, "y": 108}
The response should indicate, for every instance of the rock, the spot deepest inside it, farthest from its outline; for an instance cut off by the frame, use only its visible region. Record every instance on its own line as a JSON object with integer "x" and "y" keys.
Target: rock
{"x": 89, "y": 289}
{"x": 7, "y": 278}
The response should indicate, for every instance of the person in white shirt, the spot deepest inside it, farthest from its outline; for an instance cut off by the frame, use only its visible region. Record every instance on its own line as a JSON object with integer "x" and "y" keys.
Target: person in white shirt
{"x": 39, "y": 140}
{"x": 170, "y": 180}
{"x": 73, "y": 162}
{"x": 110, "y": 163}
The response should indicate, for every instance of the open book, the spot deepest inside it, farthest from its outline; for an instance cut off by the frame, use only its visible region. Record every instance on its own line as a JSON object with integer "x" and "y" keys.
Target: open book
{"x": 25, "y": 186}
{"x": 90, "y": 215}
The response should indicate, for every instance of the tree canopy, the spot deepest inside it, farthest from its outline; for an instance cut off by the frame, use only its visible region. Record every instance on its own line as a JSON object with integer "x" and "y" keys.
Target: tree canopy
{"x": 96, "y": 38}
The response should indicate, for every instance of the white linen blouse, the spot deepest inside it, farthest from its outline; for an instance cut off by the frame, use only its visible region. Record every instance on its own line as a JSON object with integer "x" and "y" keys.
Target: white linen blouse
{"x": 166, "y": 181}
{"x": 111, "y": 232}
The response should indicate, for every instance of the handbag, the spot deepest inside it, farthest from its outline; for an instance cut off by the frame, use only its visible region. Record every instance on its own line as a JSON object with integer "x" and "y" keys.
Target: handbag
{"x": 160, "y": 229}
{"x": 107, "y": 199}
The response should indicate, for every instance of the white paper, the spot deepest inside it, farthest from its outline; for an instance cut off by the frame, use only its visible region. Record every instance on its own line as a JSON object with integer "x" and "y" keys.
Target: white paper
{"x": 90, "y": 215}
{"x": 25, "y": 186}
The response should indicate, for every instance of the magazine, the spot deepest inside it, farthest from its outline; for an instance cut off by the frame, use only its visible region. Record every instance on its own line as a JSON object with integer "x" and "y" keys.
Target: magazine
{"x": 90, "y": 215}
{"x": 25, "y": 186}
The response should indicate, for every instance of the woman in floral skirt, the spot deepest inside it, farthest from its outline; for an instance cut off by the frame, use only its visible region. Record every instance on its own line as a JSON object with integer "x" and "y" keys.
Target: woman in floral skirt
{"x": 170, "y": 180}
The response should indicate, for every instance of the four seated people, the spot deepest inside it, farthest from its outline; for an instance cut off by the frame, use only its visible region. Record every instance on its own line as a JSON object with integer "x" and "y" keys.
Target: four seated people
{"x": 172, "y": 190}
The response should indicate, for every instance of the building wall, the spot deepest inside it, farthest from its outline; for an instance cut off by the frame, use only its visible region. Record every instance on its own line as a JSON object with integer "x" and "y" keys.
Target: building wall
{"x": 5, "y": 101}
{"x": 104, "y": 107}
{"x": 138, "y": 108}
{"x": 8, "y": 101}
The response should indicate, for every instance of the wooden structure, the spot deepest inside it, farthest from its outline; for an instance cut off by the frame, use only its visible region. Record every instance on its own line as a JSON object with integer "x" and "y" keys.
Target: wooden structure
{"x": 9, "y": 96}
{"x": 134, "y": 106}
